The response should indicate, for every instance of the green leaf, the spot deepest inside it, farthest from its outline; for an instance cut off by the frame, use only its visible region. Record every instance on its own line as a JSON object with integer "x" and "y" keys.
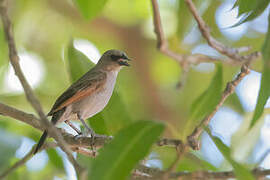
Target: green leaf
{"x": 207, "y": 101}
{"x": 129, "y": 146}
{"x": 233, "y": 101}
{"x": 90, "y": 8}
{"x": 245, "y": 6}
{"x": 55, "y": 158}
{"x": 265, "y": 85}
{"x": 115, "y": 113}
{"x": 252, "y": 9}
{"x": 78, "y": 63}
{"x": 98, "y": 124}
{"x": 241, "y": 172}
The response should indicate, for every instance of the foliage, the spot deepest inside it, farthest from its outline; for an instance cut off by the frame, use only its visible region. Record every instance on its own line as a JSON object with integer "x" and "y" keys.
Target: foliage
{"x": 265, "y": 86}
{"x": 250, "y": 9}
{"x": 146, "y": 90}
{"x": 241, "y": 172}
{"x": 126, "y": 149}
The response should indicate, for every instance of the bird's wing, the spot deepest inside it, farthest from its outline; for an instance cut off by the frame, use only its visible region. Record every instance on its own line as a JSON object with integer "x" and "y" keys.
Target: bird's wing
{"x": 91, "y": 82}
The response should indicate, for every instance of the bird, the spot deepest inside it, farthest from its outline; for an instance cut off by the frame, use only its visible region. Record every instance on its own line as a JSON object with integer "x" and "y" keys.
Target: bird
{"x": 89, "y": 94}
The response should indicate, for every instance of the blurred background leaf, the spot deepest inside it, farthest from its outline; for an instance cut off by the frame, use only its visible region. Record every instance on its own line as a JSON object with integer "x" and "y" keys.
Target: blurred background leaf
{"x": 241, "y": 172}
{"x": 58, "y": 41}
{"x": 90, "y": 8}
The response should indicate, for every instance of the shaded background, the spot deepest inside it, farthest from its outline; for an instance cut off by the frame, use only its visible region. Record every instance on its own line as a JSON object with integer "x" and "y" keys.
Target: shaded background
{"x": 50, "y": 34}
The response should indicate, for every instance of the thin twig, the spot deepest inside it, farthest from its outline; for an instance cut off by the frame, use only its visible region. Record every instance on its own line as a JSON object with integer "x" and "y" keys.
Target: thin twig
{"x": 14, "y": 60}
{"x": 232, "y": 53}
{"x": 230, "y": 88}
{"x": 184, "y": 75}
{"x": 162, "y": 45}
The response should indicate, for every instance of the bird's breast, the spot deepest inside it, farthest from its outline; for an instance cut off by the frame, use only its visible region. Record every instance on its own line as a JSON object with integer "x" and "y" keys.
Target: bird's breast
{"x": 96, "y": 102}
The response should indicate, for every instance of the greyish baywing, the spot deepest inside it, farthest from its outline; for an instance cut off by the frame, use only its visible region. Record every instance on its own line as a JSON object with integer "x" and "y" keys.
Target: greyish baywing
{"x": 92, "y": 81}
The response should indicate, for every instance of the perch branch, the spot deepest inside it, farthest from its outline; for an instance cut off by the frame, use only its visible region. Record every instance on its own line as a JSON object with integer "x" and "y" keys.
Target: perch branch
{"x": 71, "y": 140}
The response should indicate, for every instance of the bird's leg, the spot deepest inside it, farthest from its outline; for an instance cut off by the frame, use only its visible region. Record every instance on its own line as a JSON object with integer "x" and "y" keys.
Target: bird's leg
{"x": 90, "y": 131}
{"x": 73, "y": 127}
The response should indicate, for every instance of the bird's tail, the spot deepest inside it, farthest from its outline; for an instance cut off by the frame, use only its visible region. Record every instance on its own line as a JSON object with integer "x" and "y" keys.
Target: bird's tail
{"x": 55, "y": 118}
{"x": 41, "y": 141}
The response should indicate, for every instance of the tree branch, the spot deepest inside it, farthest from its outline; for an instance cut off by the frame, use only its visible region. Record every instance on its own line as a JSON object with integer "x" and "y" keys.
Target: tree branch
{"x": 232, "y": 53}
{"x": 148, "y": 173}
{"x": 230, "y": 88}
{"x": 70, "y": 139}
{"x": 162, "y": 45}
{"x": 14, "y": 60}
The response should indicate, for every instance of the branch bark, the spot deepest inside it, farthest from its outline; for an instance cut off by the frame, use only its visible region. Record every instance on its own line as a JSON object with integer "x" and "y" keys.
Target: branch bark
{"x": 147, "y": 173}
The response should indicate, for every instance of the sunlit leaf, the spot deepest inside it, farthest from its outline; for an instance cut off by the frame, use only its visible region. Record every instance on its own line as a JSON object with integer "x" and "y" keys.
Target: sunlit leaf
{"x": 245, "y": 6}
{"x": 90, "y": 8}
{"x": 241, "y": 172}
{"x": 121, "y": 155}
{"x": 265, "y": 85}
{"x": 206, "y": 102}
{"x": 251, "y": 9}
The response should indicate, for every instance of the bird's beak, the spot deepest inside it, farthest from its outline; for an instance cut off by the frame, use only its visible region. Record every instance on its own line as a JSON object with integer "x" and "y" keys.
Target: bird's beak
{"x": 124, "y": 61}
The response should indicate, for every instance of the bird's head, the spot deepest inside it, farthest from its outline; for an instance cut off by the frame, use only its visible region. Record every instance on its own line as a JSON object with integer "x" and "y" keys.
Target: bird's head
{"x": 114, "y": 59}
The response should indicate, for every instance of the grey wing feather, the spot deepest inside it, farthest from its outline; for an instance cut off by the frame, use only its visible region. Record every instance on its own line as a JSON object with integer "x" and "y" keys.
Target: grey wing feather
{"x": 87, "y": 80}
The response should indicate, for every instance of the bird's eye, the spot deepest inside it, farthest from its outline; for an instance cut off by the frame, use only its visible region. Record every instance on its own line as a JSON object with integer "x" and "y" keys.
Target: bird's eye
{"x": 115, "y": 58}
{"x": 124, "y": 56}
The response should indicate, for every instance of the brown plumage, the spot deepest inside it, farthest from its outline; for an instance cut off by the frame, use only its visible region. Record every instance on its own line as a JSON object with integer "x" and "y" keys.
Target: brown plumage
{"x": 89, "y": 94}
